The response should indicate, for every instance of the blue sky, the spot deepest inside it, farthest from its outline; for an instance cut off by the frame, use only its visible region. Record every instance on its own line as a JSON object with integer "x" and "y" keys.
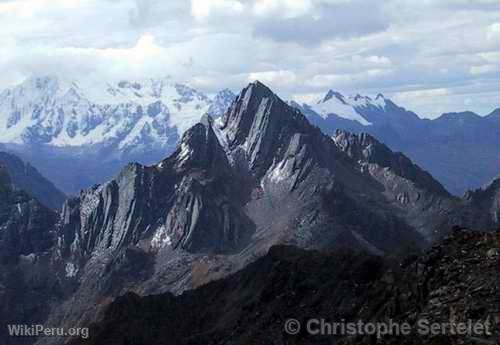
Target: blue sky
{"x": 430, "y": 56}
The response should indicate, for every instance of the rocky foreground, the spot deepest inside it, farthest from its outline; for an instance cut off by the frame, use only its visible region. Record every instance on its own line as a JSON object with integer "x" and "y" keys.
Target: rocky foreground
{"x": 455, "y": 281}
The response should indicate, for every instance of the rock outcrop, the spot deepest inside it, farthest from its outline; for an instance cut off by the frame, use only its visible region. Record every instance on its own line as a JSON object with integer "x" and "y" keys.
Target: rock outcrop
{"x": 27, "y": 277}
{"x": 487, "y": 199}
{"x": 26, "y": 177}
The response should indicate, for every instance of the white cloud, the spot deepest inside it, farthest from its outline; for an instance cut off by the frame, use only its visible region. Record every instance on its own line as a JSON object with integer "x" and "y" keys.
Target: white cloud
{"x": 399, "y": 47}
{"x": 274, "y": 78}
{"x": 476, "y": 70}
{"x": 202, "y": 9}
{"x": 494, "y": 32}
{"x": 285, "y": 8}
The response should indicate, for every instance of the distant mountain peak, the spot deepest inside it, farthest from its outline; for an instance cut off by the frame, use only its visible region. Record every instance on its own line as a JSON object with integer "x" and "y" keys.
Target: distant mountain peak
{"x": 333, "y": 94}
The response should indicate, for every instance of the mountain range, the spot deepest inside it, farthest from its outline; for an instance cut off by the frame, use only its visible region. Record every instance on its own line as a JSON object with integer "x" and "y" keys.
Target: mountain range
{"x": 461, "y": 150}
{"x": 94, "y": 128}
{"x": 260, "y": 175}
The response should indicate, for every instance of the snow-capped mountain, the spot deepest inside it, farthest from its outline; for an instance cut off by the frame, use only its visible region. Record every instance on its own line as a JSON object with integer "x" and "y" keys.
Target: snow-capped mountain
{"x": 68, "y": 113}
{"x": 348, "y": 107}
{"x": 112, "y": 121}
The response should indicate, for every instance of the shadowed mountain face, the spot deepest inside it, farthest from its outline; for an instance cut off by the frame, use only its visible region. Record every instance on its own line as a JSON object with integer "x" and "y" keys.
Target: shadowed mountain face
{"x": 488, "y": 199}
{"x": 252, "y": 306}
{"x": 24, "y": 222}
{"x": 260, "y": 175}
{"x": 27, "y": 238}
{"x": 27, "y": 178}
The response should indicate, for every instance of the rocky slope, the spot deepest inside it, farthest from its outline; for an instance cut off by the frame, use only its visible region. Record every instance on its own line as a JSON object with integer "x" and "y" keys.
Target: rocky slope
{"x": 488, "y": 199}
{"x": 459, "y": 149}
{"x": 53, "y": 122}
{"x": 27, "y": 279}
{"x": 26, "y": 177}
{"x": 420, "y": 199}
{"x": 453, "y": 282}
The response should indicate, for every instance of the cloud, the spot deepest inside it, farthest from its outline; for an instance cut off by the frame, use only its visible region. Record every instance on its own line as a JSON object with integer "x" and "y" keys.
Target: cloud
{"x": 202, "y": 9}
{"x": 404, "y": 48}
{"x": 315, "y": 23}
{"x": 274, "y": 78}
{"x": 283, "y": 8}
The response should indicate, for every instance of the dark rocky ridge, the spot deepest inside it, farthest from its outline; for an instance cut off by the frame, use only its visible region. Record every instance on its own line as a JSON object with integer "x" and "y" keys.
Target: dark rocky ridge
{"x": 27, "y": 278}
{"x": 26, "y": 177}
{"x": 488, "y": 199}
{"x": 425, "y": 203}
{"x": 455, "y": 280}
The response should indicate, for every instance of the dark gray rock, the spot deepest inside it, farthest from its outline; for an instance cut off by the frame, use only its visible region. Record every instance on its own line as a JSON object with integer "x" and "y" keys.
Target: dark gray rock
{"x": 487, "y": 199}
{"x": 26, "y": 177}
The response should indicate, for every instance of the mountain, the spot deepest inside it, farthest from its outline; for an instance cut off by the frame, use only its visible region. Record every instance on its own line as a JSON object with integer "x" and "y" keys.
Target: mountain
{"x": 94, "y": 128}
{"x": 253, "y": 305}
{"x": 459, "y": 149}
{"x": 488, "y": 199}
{"x": 26, "y": 177}
{"x": 260, "y": 175}
{"x": 27, "y": 280}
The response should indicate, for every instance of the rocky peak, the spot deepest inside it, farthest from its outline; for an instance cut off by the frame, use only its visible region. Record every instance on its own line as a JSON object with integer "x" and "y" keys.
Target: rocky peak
{"x": 200, "y": 149}
{"x": 262, "y": 125}
{"x": 331, "y": 94}
{"x": 366, "y": 149}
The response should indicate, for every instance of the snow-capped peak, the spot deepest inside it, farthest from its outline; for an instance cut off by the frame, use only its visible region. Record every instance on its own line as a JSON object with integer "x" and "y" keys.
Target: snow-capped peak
{"x": 348, "y": 107}
{"x": 334, "y": 103}
{"x": 221, "y": 102}
{"x": 126, "y": 113}
{"x": 333, "y": 94}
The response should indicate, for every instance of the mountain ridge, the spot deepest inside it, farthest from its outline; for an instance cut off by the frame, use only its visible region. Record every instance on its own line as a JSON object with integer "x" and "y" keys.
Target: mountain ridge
{"x": 461, "y": 150}
{"x": 26, "y": 177}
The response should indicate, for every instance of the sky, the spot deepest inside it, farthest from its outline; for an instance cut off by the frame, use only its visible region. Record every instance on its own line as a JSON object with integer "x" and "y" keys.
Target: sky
{"x": 430, "y": 56}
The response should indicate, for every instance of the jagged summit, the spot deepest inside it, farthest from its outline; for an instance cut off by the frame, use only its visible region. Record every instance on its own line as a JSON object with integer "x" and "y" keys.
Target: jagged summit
{"x": 333, "y": 94}
{"x": 262, "y": 126}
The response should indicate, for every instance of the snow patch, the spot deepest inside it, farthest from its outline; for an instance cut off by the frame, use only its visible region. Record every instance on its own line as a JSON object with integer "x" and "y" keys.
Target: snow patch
{"x": 71, "y": 270}
{"x": 339, "y": 107}
{"x": 161, "y": 238}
